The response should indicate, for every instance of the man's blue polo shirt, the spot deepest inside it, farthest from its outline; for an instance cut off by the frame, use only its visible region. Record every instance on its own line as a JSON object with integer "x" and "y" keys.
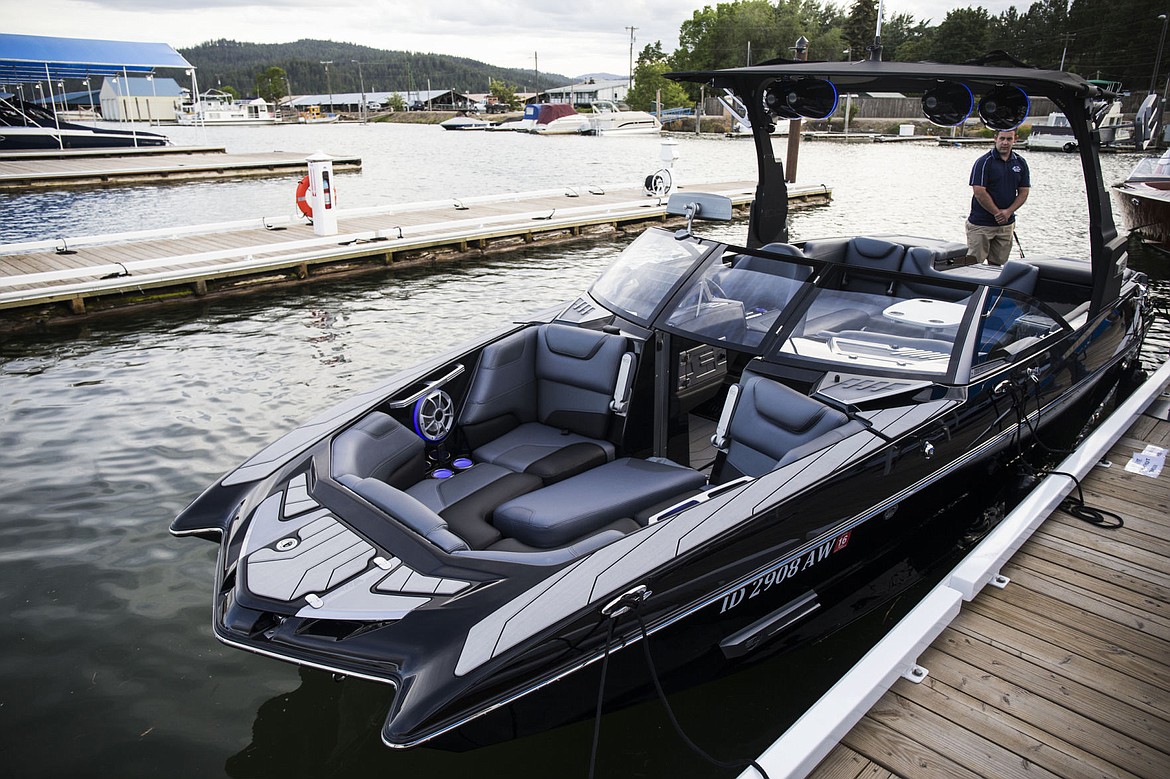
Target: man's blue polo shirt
{"x": 1003, "y": 180}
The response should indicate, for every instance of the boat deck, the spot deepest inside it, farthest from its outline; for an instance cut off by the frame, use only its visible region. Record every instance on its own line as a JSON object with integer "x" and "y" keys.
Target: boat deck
{"x": 1064, "y": 672}
{"x": 89, "y": 168}
{"x": 96, "y": 273}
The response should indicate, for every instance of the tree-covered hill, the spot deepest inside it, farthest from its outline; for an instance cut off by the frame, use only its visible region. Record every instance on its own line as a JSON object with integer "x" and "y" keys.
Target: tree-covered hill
{"x": 225, "y": 63}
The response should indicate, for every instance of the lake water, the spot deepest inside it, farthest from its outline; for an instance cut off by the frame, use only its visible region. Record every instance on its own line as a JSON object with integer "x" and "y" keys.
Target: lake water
{"x": 107, "y": 430}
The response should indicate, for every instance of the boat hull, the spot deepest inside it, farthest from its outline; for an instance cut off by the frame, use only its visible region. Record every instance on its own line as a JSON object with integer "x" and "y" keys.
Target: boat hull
{"x": 43, "y": 138}
{"x": 1145, "y": 209}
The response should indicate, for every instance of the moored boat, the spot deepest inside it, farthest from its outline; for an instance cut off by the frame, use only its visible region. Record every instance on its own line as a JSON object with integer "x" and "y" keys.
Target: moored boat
{"x": 1055, "y": 133}
{"x": 1144, "y": 199}
{"x": 464, "y": 122}
{"x": 215, "y": 107}
{"x": 717, "y": 451}
{"x": 25, "y": 126}
{"x": 610, "y": 118}
{"x": 314, "y": 115}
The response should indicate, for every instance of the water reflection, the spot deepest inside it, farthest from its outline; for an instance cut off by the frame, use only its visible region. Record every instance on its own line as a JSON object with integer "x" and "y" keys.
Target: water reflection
{"x": 319, "y": 729}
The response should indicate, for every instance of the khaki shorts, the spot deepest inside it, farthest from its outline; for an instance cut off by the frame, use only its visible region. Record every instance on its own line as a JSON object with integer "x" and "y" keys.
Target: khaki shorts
{"x": 990, "y": 244}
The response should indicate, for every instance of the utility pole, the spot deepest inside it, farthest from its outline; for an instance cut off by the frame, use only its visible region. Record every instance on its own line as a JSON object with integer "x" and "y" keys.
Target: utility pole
{"x": 1158, "y": 59}
{"x": 1068, "y": 36}
{"x": 630, "y": 83}
{"x": 328, "y": 83}
{"x": 362, "y": 84}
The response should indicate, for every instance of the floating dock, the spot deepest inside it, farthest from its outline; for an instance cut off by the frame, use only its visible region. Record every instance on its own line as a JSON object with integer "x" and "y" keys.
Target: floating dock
{"x": 41, "y": 281}
{"x": 105, "y": 167}
{"x": 1061, "y": 668}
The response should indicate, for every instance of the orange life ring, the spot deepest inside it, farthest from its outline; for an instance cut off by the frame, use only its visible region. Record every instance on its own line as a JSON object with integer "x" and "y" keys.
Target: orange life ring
{"x": 302, "y": 200}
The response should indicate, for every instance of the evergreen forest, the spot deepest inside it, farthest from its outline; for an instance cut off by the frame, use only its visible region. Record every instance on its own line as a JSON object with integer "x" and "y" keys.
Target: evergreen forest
{"x": 226, "y": 63}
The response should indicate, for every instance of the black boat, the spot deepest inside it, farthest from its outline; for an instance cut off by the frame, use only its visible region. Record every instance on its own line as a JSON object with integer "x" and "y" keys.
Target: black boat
{"x": 716, "y": 450}
{"x": 25, "y": 127}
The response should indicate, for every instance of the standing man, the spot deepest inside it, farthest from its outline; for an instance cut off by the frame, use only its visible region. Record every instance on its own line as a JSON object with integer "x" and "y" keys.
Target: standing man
{"x": 999, "y": 186}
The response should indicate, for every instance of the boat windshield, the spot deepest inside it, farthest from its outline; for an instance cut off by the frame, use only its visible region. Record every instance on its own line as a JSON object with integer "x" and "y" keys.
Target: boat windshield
{"x": 737, "y": 301}
{"x": 646, "y": 272}
{"x": 871, "y": 330}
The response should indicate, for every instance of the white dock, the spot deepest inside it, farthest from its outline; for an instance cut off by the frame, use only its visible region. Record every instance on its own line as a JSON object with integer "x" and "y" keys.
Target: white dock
{"x": 1059, "y": 669}
{"x": 74, "y": 276}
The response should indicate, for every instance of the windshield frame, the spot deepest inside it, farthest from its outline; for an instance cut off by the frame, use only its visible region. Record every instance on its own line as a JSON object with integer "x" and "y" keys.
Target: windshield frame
{"x": 704, "y": 249}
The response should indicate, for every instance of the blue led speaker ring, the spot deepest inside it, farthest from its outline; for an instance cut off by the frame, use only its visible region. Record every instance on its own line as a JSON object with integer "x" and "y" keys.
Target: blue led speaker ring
{"x": 434, "y": 415}
{"x": 442, "y": 473}
{"x": 462, "y": 463}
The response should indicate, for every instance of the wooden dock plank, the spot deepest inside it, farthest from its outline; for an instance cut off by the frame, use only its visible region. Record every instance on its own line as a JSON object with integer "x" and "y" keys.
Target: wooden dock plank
{"x": 148, "y": 265}
{"x": 844, "y": 763}
{"x": 1092, "y": 595}
{"x": 1144, "y": 596}
{"x": 1063, "y": 693}
{"x": 1063, "y": 608}
{"x": 902, "y": 756}
{"x": 1096, "y": 666}
{"x": 1061, "y": 739}
{"x": 1066, "y": 671}
{"x": 23, "y": 173}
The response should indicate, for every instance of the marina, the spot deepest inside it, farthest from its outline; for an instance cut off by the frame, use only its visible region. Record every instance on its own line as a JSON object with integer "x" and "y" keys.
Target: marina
{"x": 112, "y": 425}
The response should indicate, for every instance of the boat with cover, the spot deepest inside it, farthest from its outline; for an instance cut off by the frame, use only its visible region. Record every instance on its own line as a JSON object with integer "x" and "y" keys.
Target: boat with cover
{"x": 715, "y": 453}
{"x": 25, "y": 126}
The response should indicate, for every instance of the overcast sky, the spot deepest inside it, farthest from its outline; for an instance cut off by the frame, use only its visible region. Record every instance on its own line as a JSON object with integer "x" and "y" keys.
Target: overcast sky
{"x": 570, "y": 37}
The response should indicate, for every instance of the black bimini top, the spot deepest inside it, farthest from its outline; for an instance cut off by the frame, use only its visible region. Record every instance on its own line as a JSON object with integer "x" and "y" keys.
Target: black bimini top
{"x": 905, "y": 76}
{"x": 782, "y": 89}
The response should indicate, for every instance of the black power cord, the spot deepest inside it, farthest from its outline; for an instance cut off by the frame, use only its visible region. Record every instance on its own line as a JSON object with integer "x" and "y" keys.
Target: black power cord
{"x": 1076, "y": 507}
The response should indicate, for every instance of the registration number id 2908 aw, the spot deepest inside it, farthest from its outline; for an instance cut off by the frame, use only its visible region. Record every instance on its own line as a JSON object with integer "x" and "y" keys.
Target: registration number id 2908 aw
{"x": 783, "y": 571}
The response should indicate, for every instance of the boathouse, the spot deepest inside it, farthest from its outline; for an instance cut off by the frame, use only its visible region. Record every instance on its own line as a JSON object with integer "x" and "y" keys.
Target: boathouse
{"x": 146, "y": 99}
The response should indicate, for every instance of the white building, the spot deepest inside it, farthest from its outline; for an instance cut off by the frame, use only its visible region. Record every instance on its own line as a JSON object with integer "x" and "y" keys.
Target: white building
{"x": 585, "y": 93}
{"x": 140, "y": 99}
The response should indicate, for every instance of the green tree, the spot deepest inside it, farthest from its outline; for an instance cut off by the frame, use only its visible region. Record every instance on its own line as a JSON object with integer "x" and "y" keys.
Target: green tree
{"x": 271, "y": 85}
{"x": 964, "y": 35}
{"x": 396, "y": 102}
{"x": 730, "y": 33}
{"x": 860, "y": 27}
{"x": 504, "y": 93}
{"x": 898, "y": 31}
{"x": 648, "y": 80}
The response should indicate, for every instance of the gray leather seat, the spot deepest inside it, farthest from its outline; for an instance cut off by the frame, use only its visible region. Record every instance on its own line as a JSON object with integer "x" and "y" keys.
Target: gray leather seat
{"x": 859, "y": 254}
{"x": 539, "y": 402}
{"x": 466, "y": 500}
{"x": 379, "y": 449}
{"x": 1013, "y": 274}
{"x": 587, "y": 503}
{"x": 773, "y": 425}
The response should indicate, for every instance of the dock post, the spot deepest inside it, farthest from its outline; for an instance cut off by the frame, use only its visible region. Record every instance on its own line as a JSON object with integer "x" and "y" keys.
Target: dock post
{"x": 322, "y": 194}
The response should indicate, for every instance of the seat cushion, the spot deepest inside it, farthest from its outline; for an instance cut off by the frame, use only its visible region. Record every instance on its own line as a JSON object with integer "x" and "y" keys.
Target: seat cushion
{"x": 772, "y": 420}
{"x": 379, "y": 447}
{"x": 466, "y": 499}
{"x": 544, "y": 451}
{"x": 583, "y": 504}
